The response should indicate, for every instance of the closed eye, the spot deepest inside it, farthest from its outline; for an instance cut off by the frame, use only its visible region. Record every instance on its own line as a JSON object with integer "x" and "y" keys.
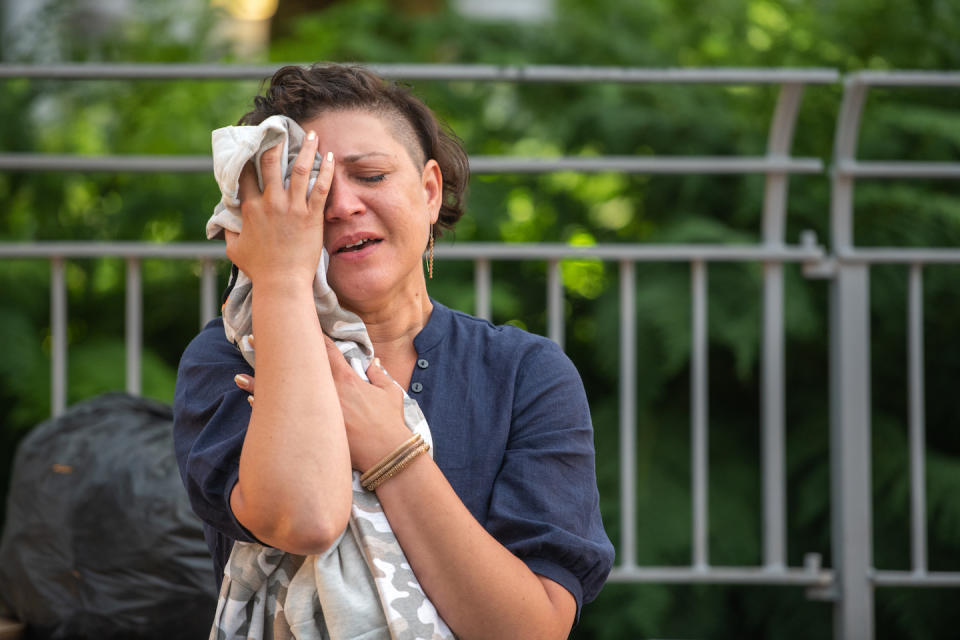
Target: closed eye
{"x": 377, "y": 178}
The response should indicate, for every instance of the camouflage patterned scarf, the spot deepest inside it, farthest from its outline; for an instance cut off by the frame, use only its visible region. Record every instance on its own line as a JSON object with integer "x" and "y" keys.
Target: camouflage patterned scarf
{"x": 363, "y": 586}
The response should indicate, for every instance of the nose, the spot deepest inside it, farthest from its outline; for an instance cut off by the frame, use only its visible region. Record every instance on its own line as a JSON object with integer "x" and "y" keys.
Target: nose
{"x": 342, "y": 201}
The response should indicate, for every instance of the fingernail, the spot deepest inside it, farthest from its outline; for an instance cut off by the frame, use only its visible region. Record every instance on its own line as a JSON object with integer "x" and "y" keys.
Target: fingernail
{"x": 311, "y": 135}
{"x": 330, "y": 156}
{"x": 250, "y": 400}
{"x": 376, "y": 361}
{"x": 242, "y": 381}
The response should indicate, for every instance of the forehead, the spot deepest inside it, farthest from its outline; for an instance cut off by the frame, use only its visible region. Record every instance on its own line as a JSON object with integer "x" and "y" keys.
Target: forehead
{"x": 367, "y": 130}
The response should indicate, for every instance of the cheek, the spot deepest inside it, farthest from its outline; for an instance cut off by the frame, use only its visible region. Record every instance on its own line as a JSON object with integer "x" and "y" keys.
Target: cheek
{"x": 409, "y": 217}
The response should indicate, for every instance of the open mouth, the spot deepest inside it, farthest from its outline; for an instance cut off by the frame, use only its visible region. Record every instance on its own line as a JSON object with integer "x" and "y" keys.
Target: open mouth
{"x": 358, "y": 245}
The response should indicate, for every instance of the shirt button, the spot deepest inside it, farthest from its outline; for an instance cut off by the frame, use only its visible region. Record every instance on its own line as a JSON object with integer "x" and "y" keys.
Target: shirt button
{"x": 423, "y": 364}
{"x": 416, "y": 387}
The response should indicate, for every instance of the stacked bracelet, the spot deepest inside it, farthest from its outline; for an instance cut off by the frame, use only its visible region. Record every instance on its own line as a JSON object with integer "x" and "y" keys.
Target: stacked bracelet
{"x": 390, "y": 459}
{"x": 393, "y": 463}
{"x": 399, "y": 465}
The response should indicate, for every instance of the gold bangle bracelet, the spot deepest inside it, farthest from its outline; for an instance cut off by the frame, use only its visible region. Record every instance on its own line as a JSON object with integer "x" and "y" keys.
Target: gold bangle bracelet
{"x": 372, "y": 480}
{"x": 391, "y": 458}
{"x": 397, "y": 468}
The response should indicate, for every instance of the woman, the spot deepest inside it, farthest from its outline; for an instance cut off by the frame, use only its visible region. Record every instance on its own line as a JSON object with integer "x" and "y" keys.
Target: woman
{"x": 502, "y": 527}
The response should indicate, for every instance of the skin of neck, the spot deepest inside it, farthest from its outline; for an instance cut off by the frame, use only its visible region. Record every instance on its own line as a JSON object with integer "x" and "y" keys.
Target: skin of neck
{"x": 394, "y": 320}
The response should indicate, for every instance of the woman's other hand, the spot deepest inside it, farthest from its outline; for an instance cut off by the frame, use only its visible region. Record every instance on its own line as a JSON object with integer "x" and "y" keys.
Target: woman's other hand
{"x": 282, "y": 236}
{"x": 372, "y": 411}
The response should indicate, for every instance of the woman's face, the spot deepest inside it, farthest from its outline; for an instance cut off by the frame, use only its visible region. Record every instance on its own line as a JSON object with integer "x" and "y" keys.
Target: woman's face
{"x": 379, "y": 210}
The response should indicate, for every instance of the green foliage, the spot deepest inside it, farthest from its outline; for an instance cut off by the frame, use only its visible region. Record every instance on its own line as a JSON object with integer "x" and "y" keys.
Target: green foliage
{"x": 552, "y": 120}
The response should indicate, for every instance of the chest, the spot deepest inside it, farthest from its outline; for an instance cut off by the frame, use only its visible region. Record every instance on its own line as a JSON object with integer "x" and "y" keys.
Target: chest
{"x": 470, "y": 413}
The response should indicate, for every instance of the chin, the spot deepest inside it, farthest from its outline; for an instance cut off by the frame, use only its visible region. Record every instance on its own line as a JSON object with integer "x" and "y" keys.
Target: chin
{"x": 360, "y": 288}
{"x": 357, "y": 289}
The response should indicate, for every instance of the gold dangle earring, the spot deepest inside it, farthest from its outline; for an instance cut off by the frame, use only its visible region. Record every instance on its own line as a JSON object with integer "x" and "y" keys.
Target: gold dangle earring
{"x": 430, "y": 262}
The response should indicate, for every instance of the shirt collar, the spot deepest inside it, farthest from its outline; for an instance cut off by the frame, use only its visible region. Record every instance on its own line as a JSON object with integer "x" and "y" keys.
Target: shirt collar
{"x": 437, "y": 328}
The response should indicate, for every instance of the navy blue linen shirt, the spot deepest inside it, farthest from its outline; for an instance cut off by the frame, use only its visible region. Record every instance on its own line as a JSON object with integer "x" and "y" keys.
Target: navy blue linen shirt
{"x": 511, "y": 431}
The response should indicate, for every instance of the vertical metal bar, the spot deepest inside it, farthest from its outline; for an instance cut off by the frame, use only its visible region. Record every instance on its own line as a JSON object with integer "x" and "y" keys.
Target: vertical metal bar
{"x": 698, "y": 411}
{"x": 844, "y": 150}
{"x": 841, "y": 217}
{"x": 134, "y": 325}
{"x": 772, "y": 394}
{"x": 851, "y": 506}
{"x": 481, "y": 284}
{"x": 208, "y": 291}
{"x": 851, "y": 500}
{"x": 555, "y": 327}
{"x": 775, "y": 207}
{"x": 628, "y": 414}
{"x": 58, "y": 337}
{"x": 848, "y": 119}
{"x": 773, "y": 439}
{"x": 778, "y": 145}
{"x": 918, "y": 492}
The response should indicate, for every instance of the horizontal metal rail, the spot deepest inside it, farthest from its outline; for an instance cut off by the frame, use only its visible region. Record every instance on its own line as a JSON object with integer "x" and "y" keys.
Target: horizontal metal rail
{"x": 464, "y": 251}
{"x": 915, "y": 578}
{"x": 445, "y": 72}
{"x": 724, "y": 575}
{"x": 111, "y": 163}
{"x": 905, "y": 78}
{"x": 896, "y": 255}
{"x": 861, "y": 169}
{"x": 112, "y": 250}
{"x": 478, "y": 164}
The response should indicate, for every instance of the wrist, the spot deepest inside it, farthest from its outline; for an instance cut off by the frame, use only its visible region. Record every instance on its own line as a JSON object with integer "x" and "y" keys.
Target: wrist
{"x": 394, "y": 463}
{"x": 283, "y": 284}
{"x": 386, "y": 446}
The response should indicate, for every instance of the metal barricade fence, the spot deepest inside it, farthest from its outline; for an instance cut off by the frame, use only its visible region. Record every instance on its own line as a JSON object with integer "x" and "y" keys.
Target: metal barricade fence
{"x": 850, "y": 583}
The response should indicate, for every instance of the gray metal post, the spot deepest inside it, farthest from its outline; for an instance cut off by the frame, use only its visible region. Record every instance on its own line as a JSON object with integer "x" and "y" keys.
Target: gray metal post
{"x": 555, "y": 319}
{"x": 851, "y": 506}
{"x": 628, "y": 415}
{"x": 773, "y": 426}
{"x": 698, "y": 415}
{"x": 58, "y": 336}
{"x": 134, "y": 326}
{"x": 208, "y": 291}
{"x": 918, "y": 486}
{"x": 851, "y": 509}
{"x": 481, "y": 283}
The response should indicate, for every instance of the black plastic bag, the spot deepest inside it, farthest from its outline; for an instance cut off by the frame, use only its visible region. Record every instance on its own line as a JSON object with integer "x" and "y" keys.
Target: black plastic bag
{"x": 100, "y": 540}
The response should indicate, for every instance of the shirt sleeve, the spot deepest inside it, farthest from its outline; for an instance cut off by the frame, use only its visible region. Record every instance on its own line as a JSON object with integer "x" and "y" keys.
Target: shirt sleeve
{"x": 210, "y": 417}
{"x": 545, "y": 505}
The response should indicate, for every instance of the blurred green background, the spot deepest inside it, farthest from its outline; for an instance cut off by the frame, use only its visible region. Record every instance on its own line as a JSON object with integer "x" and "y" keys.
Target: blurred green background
{"x": 105, "y": 117}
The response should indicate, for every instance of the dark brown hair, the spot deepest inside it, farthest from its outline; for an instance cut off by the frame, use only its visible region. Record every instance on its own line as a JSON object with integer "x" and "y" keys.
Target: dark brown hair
{"x": 302, "y": 93}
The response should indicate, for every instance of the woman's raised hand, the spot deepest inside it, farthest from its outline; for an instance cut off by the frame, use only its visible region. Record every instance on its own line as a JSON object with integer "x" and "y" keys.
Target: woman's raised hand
{"x": 282, "y": 236}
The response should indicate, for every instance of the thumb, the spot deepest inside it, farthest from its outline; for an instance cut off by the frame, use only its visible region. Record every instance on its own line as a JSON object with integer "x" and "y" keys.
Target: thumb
{"x": 378, "y": 376}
